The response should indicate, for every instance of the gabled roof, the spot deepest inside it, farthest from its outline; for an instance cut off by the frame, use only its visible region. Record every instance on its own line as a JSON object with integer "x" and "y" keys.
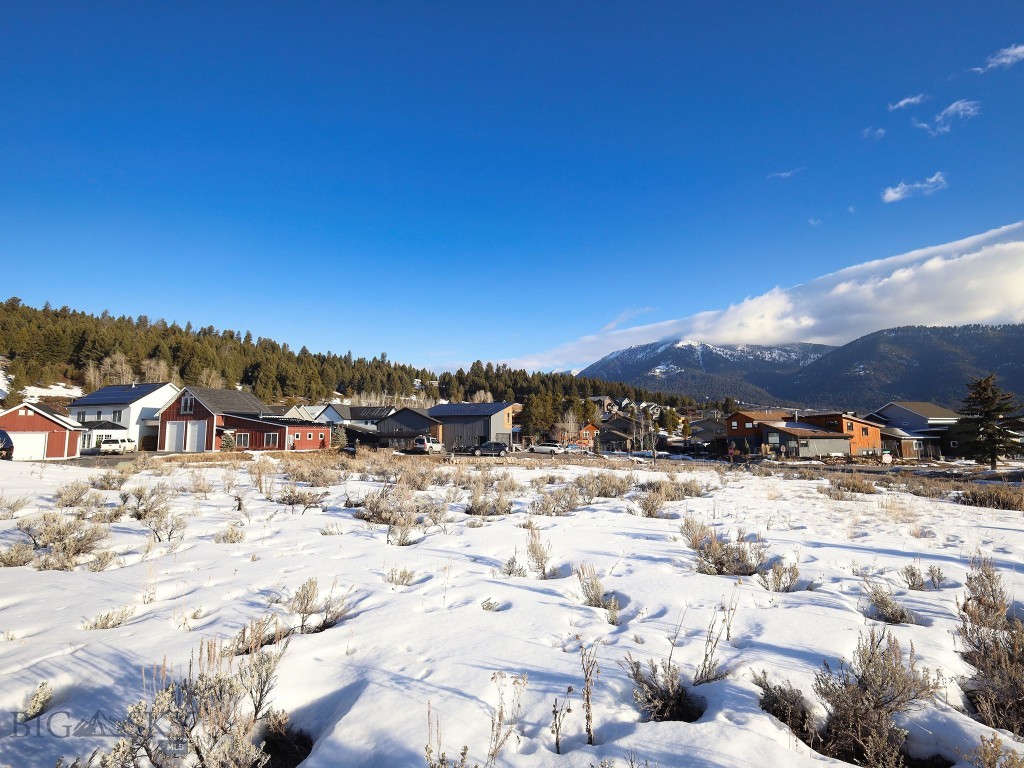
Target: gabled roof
{"x": 103, "y": 426}
{"x": 118, "y": 394}
{"x": 47, "y": 413}
{"x": 418, "y": 411}
{"x": 775, "y": 415}
{"x": 928, "y": 410}
{"x": 221, "y": 401}
{"x": 370, "y": 412}
{"x": 468, "y": 409}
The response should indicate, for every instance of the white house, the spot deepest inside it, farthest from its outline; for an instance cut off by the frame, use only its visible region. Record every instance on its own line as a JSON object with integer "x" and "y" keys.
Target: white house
{"x": 122, "y": 410}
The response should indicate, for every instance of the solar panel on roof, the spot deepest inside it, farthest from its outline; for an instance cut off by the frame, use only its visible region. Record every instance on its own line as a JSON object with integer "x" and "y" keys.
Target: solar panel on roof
{"x": 117, "y": 393}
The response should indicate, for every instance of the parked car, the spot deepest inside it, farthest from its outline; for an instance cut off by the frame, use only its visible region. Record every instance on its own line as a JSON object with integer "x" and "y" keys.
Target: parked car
{"x": 492, "y": 448}
{"x": 573, "y": 448}
{"x": 120, "y": 445}
{"x": 549, "y": 448}
{"x": 427, "y": 444}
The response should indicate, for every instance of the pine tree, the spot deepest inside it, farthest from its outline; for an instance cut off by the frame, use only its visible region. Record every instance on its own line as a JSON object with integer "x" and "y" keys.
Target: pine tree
{"x": 983, "y": 408}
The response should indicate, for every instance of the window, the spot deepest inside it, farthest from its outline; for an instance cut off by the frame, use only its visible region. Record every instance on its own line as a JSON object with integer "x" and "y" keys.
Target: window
{"x": 954, "y": 444}
{"x": 99, "y": 415}
{"x": 270, "y": 439}
{"x": 23, "y": 412}
{"x": 116, "y": 418}
{"x": 321, "y": 436}
{"x": 803, "y": 443}
{"x": 863, "y": 431}
{"x": 749, "y": 425}
{"x": 309, "y": 436}
{"x": 81, "y": 416}
{"x": 298, "y": 435}
{"x": 187, "y": 402}
{"x": 849, "y": 426}
{"x": 242, "y": 440}
{"x": 734, "y": 425}
{"x": 917, "y": 445}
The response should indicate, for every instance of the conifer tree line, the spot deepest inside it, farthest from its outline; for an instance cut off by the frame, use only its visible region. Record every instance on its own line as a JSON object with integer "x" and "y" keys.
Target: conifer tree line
{"x": 43, "y": 346}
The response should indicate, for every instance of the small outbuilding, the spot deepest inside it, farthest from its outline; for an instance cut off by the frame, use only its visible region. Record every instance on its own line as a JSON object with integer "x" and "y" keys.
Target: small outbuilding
{"x": 39, "y": 433}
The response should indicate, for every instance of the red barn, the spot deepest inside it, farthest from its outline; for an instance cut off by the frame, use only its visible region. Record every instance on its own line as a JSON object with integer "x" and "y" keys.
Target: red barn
{"x": 38, "y": 433}
{"x": 198, "y": 418}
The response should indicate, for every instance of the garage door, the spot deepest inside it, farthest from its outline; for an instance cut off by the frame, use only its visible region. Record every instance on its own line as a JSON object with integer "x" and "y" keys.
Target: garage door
{"x": 28, "y": 446}
{"x": 174, "y": 440}
{"x": 196, "y": 441}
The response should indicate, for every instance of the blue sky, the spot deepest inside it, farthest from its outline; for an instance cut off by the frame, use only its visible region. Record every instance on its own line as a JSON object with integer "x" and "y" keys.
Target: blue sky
{"x": 453, "y": 181}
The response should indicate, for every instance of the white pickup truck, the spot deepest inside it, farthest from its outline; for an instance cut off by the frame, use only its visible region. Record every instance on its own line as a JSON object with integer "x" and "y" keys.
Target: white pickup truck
{"x": 120, "y": 445}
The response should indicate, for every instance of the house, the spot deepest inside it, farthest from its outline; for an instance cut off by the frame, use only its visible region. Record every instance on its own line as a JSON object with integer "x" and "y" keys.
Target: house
{"x": 620, "y": 433}
{"x": 300, "y": 412}
{"x": 743, "y": 432}
{"x": 803, "y": 440}
{"x": 198, "y": 418}
{"x": 915, "y": 429}
{"x": 604, "y": 404}
{"x": 37, "y": 432}
{"x": 588, "y": 436}
{"x": 122, "y": 410}
{"x": 469, "y": 424}
{"x": 359, "y": 415}
{"x": 865, "y": 435}
{"x": 401, "y": 428}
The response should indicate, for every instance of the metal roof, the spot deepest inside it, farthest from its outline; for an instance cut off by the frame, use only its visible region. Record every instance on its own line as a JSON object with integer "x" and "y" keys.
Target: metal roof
{"x": 468, "y": 409}
{"x": 117, "y": 394}
{"x": 221, "y": 401}
{"x": 104, "y": 425}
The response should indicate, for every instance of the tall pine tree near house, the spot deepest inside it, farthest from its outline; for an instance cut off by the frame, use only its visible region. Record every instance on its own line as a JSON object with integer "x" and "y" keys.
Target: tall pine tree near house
{"x": 984, "y": 407}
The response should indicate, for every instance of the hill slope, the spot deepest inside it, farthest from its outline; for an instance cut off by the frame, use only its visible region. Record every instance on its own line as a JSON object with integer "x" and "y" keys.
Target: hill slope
{"x": 907, "y": 363}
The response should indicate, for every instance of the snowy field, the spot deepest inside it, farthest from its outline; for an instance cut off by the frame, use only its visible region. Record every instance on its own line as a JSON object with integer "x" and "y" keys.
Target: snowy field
{"x": 461, "y": 630}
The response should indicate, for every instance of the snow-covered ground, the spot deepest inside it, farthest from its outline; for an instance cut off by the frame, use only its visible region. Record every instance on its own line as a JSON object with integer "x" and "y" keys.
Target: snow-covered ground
{"x": 33, "y": 394}
{"x": 361, "y": 689}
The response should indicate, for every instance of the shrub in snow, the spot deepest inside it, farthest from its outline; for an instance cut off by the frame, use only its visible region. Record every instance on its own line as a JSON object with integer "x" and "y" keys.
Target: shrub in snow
{"x": 111, "y": 480}
{"x": 863, "y": 696}
{"x": 66, "y": 539}
{"x": 556, "y": 503}
{"x": 301, "y": 497}
{"x": 650, "y": 504}
{"x": 990, "y": 754}
{"x": 787, "y": 704}
{"x": 673, "y": 490}
{"x": 721, "y": 557}
{"x": 110, "y": 619}
{"x": 779, "y": 578}
{"x": 994, "y": 646}
{"x": 70, "y": 495}
{"x": 512, "y": 566}
{"x": 102, "y": 560}
{"x": 885, "y": 605}
{"x": 16, "y": 555}
{"x": 694, "y": 531}
{"x": 400, "y": 577}
{"x": 659, "y": 691}
{"x": 233, "y": 534}
{"x": 11, "y": 507}
{"x": 38, "y": 702}
{"x": 539, "y": 554}
{"x": 306, "y": 602}
{"x": 913, "y": 577}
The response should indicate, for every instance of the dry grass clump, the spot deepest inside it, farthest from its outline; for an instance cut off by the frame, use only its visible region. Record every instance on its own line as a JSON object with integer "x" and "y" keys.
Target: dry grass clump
{"x": 593, "y": 592}
{"x": 779, "y": 578}
{"x": 400, "y": 577}
{"x": 719, "y": 556}
{"x": 603, "y": 485}
{"x": 853, "y": 484}
{"x": 673, "y": 490}
{"x": 487, "y": 504}
{"x": 152, "y": 508}
{"x": 18, "y": 554}
{"x": 306, "y": 603}
{"x": 539, "y": 554}
{"x": 110, "y": 619}
{"x": 70, "y": 495}
{"x": 101, "y": 561}
{"x": 421, "y": 475}
{"x": 885, "y": 605}
{"x": 787, "y": 704}
{"x": 694, "y": 531}
{"x": 863, "y": 697}
{"x": 307, "y": 498}
{"x": 318, "y": 470}
{"x": 65, "y": 540}
{"x": 659, "y": 691}
{"x": 233, "y": 534}
{"x": 111, "y": 480}
{"x": 650, "y": 504}
{"x": 38, "y": 702}
{"x": 186, "y": 459}
{"x": 994, "y": 646}
{"x": 993, "y": 496}
{"x": 556, "y": 503}
{"x": 990, "y": 754}
{"x": 11, "y": 507}
{"x": 918, "y": 485}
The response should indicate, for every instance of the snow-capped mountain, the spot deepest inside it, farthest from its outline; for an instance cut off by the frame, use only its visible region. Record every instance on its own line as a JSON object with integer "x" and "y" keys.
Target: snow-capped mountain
{"x": 747, "y": 371}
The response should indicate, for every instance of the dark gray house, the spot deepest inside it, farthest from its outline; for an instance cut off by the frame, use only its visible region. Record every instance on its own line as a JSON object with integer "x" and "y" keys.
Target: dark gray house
{"x": 469, "y": 424}
{"x": 401, "y": 428}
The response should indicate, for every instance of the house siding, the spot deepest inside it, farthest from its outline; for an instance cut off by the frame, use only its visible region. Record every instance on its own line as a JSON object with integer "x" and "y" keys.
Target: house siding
{"x": 199, "y": 413}
{"x": 61, "y": 443}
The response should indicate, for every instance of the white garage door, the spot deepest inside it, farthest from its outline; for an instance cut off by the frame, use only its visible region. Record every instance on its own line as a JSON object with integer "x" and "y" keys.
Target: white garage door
{"x": 196, "y": 442}
{"x": 174, "y": 440}
{"x": 28, "y": 446}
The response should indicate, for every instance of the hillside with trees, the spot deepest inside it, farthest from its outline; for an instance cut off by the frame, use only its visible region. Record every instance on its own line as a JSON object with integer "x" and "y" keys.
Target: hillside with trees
{"x": 44, "y": 346}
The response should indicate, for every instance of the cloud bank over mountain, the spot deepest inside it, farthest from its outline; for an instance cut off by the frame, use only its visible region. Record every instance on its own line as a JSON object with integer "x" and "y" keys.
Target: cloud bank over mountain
{"x": 978, "y": 279}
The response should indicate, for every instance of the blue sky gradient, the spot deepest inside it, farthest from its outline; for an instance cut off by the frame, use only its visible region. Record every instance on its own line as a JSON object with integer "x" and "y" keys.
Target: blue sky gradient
{"x": 453, "y": 181}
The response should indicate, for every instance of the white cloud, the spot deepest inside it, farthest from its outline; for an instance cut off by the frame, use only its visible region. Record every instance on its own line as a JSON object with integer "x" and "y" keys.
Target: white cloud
{"x": 963, "y": 109}
{"x": 975, "y": 280}
{"x": 929, "y": 186}
{"x": 814, "y": 222}
{"x": 1004, "y": 59}
{"x": 873, "y": 133}
{"x": 785, "y": 174}
{"x": 625, "y": 315}
{"x": 909, "y": 101}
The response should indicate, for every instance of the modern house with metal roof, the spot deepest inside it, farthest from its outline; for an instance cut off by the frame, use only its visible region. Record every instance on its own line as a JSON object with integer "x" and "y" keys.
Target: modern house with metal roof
{"x": 914, "y": 430}
{"x": 122, "y": 410}
{"x": 400, "y": 429}
{"x": 470, "y": 424}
